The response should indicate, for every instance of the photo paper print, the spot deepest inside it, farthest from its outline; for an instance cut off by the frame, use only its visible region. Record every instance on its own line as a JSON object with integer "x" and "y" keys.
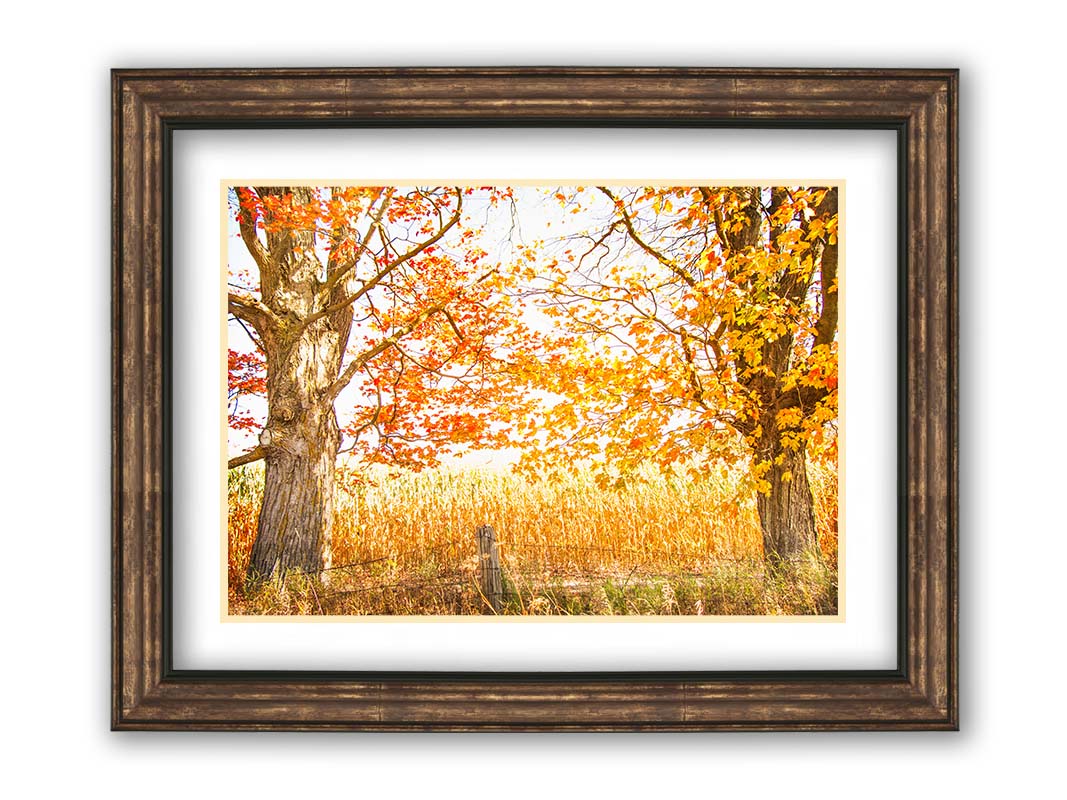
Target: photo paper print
{"x": 532, "y": 400}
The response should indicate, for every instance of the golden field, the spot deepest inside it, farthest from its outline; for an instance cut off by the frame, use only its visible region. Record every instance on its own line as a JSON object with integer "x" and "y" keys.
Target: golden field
{"x": 405, "y": 544}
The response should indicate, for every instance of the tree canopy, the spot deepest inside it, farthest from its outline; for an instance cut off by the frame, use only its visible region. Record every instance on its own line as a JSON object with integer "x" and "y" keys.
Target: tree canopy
{"x": 685, "y": 326}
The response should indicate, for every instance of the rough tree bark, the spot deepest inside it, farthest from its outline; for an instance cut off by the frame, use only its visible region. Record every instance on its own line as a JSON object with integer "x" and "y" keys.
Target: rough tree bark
{"x": 301, "y": 438}
{"x": 786, "y": 511}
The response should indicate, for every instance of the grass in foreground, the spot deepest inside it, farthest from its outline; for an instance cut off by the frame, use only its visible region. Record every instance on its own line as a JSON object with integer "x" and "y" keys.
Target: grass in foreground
{"x": 658, "y": 545}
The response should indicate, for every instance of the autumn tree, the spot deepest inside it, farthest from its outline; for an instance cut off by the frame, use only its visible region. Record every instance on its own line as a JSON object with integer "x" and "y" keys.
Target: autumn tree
{"x": 376, "y": 295}
{"x": 699, "y": 318}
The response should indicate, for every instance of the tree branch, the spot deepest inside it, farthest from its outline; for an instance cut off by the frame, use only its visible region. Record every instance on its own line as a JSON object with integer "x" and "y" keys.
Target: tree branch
{"x": 681, "y": 273}
{"x": 455, "y": 327}
{"x": 252, "y": 337}
{"x": 340, "y": 271}
{"x": 255, "y": 454}
{"x": 247, "y": 223}
{"x": 365, "y": 358}
{"x": 802, "y": 397}
{"x": 388, "y": 269}
{"x": 826, "y": 327}
{"x": 716, "y": 212}
{"x": 398, "y": 333}
{"x": 253, "y": 312}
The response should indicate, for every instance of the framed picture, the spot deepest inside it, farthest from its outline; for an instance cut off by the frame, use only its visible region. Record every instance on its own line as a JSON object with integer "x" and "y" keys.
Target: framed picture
{"x": 534, "y": 399}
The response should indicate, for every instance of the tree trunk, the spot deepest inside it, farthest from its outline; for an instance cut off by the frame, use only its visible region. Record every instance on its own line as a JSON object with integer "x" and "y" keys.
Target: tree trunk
{"x": 302, "y": 440}
{"x": 786, "y": 513}
{"x": 304, "y": 353}
{"x": 297, "y": 511}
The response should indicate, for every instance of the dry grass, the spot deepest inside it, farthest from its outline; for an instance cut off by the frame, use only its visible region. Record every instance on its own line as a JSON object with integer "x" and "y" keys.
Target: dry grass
{"x": 656, "y": 545}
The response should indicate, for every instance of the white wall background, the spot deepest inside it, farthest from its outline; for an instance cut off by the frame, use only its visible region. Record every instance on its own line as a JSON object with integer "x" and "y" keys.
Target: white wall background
{"x": 54, "y": 395}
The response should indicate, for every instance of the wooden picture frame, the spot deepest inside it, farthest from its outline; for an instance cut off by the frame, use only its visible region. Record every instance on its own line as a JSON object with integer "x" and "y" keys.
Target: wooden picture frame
{"x": 920, "y": 693}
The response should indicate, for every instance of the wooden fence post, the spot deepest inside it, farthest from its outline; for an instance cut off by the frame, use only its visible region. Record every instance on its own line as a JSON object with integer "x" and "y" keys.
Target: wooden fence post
{"x": 489, "y": 567}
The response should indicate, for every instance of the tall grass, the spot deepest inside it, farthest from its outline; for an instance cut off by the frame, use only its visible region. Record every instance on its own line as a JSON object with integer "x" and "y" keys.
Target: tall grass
{"x": 656, "y": 544}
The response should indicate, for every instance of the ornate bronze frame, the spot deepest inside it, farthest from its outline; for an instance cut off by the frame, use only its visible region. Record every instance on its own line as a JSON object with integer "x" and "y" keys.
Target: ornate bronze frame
{"x": 920, "y": 105}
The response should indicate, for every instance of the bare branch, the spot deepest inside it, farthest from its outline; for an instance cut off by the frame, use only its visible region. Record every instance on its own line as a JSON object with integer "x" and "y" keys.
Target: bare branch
{"x": 252, "y": 337}
{"x": 252, "y": 311}
{"x": 455, "y": 327}
{"x": 255, "y": 454}
{"x": 365, "y": 358}
{"x": 681, "y": 273}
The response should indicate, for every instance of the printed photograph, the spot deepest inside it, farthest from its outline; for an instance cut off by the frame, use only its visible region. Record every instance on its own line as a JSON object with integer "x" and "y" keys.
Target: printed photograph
{"x": 532, "y": 400}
